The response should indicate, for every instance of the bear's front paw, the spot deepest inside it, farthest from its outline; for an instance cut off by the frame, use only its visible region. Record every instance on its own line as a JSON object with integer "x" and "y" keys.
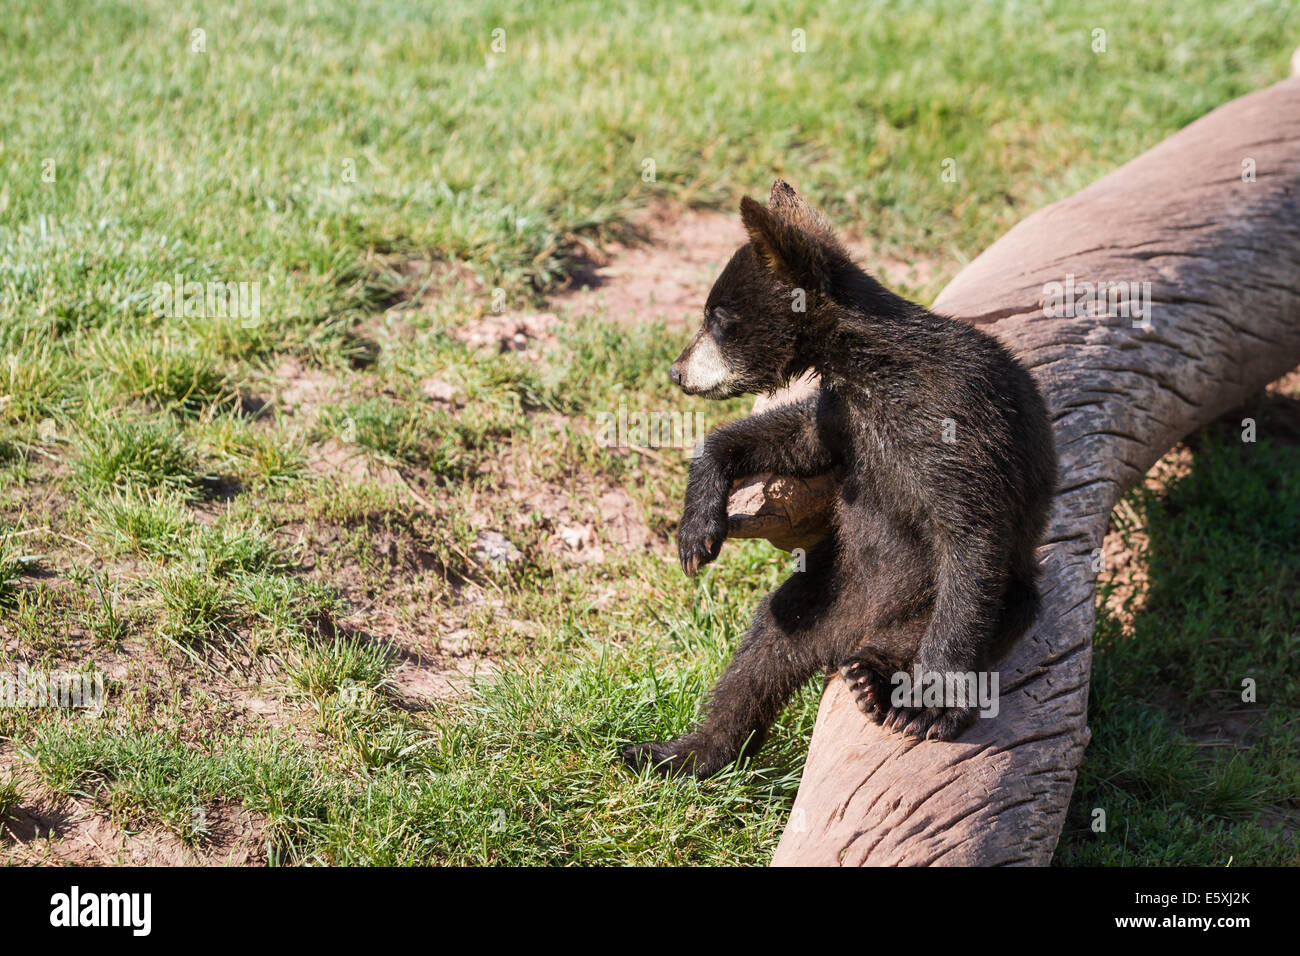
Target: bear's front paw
{"x": 929, "y": 723}
{"x": 700, "y": 537}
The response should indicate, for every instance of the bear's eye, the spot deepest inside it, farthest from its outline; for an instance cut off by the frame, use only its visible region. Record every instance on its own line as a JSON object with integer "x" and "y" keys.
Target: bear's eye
{"x": 724, "y": 322}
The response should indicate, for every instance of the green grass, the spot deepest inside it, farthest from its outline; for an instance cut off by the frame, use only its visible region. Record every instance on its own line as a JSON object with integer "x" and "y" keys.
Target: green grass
{"x": 8, "y": 799}
{"x": 11, "y": 570}
{"x": 1186, "y": 769}
{"x": 380, "y": 173}
{"x": 151, "y": 453}
{"x": 524, "y": 774}
{"x": 144, "y": 522}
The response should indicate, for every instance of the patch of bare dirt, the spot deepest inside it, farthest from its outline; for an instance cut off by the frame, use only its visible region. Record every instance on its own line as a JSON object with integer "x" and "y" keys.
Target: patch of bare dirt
{"x": 1288, "y": 385}
{"x": 456, "y": 658}
{"x": 1126, "y": 564}
{"x": 441, "y": 392}
{"x": 301, "y": 390}
{"x": 47, "y": 829}
{"x": 398, "y": 594}
{"x": 665, "y": 277}
{"x": 530, "y": 333}
{"x": 436, "y": 654}
{"x": 337, "y": 458}
{"x": 581, "y": 518}
{"x": 1233, "y": 728}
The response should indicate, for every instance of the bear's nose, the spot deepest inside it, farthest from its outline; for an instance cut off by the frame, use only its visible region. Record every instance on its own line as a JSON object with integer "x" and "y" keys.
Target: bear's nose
{"x": 675, "y": 374}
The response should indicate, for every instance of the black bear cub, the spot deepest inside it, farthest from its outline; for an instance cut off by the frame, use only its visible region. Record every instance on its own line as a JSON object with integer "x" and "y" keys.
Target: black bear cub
{"x": 945, "y": 467}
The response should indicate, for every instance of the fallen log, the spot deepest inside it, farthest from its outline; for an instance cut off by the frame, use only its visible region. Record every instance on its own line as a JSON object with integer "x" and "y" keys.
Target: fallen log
{"x": 1210, "y": 218}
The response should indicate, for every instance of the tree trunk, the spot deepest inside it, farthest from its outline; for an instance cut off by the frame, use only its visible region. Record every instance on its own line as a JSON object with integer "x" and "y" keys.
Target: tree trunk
{"x": 1220, "y": 248}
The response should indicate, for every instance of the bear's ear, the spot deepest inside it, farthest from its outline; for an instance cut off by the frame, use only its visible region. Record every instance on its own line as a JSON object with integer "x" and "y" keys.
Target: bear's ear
{"x": 792, "y": 207}
{"x": 789, "y": 252}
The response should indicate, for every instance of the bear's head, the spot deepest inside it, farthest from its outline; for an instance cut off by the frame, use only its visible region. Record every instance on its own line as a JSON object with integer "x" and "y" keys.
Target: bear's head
{"x": 778, "y": 290}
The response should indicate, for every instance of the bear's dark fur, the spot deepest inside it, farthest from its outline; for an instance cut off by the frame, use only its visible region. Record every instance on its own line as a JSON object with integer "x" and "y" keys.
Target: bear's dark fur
{"x": 945, "y": 468}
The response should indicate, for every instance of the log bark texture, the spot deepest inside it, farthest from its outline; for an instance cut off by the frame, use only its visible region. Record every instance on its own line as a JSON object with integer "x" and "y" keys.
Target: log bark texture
{"x": 1222, "y": 256}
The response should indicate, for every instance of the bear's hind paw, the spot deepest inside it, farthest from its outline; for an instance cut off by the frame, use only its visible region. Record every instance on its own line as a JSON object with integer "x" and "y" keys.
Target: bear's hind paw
{"x": 929, "y": 723}
{"x": 868, "y": 686}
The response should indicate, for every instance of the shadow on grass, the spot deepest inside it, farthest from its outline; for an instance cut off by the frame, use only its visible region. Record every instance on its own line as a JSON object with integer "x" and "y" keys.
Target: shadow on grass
{"x": 1186, "y": 764}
